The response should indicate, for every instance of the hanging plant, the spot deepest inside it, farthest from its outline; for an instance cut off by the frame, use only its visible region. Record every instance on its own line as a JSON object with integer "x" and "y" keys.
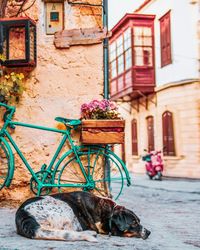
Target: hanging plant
{"x": 11, "y": 85}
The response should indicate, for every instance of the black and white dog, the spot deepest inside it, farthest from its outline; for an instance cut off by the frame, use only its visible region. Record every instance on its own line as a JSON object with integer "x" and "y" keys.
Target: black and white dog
{"x": 76, "y": 216}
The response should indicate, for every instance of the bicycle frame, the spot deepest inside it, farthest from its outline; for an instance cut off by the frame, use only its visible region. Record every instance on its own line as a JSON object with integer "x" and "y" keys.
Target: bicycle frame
{"x": 46, "y": 176}
{"x": 66, "y": 136}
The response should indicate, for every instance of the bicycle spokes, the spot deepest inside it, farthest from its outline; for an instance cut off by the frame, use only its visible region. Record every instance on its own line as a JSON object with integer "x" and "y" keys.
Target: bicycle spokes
{"x": 91, "y": 176}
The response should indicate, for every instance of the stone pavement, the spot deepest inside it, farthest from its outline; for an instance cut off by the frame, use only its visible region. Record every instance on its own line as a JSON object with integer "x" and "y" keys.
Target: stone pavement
{"x": 170, "y": 184}
{"x": 169, "y": 209}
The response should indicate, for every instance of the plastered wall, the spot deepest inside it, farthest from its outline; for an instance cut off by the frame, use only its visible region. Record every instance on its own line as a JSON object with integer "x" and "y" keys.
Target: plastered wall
{"x": 61, "y": 82}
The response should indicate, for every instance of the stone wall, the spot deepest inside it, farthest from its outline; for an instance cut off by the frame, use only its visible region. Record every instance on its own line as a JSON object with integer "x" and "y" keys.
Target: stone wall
{"x": 61, "y": 82}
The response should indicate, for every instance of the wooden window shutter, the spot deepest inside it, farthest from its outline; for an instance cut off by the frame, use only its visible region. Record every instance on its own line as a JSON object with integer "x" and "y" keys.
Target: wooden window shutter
{"x": 168, "y": 134}
{"x": 150, "y": 133}
{"x": 134, "y": 137}
{"x": 165, "y": 39}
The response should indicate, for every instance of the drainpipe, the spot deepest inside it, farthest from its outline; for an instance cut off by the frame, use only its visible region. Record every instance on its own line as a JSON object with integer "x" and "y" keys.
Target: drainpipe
{"x": 106, "y": 89}
{"x": 105, "y": 50}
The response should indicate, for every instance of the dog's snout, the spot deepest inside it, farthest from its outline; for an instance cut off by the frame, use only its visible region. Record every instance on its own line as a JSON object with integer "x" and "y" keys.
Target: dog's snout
{"x": 148, "y": 233}
{"x": 145, "y": 233}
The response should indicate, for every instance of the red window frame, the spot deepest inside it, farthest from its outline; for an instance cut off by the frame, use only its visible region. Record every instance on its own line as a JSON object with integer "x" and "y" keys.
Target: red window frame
{"x": 134, "y": 137}
{"x": 165, "y": 39}
{"x": 168, "y": 134}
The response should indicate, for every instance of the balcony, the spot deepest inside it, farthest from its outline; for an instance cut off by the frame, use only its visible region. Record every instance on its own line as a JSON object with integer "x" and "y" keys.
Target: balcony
{"x": 132, "y": 66}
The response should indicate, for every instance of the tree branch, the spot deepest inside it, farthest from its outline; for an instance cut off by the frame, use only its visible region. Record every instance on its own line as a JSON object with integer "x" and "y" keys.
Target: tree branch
{"x": 3, "y": 4}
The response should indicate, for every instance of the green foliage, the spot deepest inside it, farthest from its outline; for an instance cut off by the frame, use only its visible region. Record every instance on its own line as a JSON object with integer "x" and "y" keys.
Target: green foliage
{"x": 11, "y": 85}
{"x": 2, "y": 58}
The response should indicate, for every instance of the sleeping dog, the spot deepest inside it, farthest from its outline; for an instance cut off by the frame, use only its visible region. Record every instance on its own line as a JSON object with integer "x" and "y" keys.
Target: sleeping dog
{"x": 76, "y": 216}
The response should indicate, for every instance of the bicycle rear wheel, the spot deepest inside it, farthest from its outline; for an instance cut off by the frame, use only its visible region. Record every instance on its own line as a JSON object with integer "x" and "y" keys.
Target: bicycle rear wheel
{"x": 101, "y": 167}
{"x": 4, "y": 165}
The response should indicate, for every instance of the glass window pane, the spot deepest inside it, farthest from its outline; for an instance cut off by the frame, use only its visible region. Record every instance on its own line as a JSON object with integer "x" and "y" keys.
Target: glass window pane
{"x": 128, "y": 58}
{"x": 147, "y": 56}
{"x": 113, "y": 87}
{"x": 137, "y": 32}
{"x": 138, "y": 56}
{"x": 146, "y": 31}
{"x": 127, "y": 44}
{"x": 128, "y": 78}
{"x": 17, "y": 43}
{"x": 147, "y": 41}
{"x": 142, "y": 36}
{"x": 120, "y": 45}
{"x": 127, "y": 39}
{"x": 120, "y": 64}
{"x": 113, "y": 69}
{"x": 112, "y": 51}
{"x": 120, "y": 83}
{"x": 127, "y": 34}
{"x": 143, "y": 56}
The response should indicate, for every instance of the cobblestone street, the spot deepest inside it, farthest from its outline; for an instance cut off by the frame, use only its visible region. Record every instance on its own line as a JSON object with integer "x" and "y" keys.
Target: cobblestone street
{"x": 169, "y": 209}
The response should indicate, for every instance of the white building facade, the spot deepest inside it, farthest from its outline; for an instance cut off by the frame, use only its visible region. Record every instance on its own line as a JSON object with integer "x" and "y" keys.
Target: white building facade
{"x": 166, "y": 118}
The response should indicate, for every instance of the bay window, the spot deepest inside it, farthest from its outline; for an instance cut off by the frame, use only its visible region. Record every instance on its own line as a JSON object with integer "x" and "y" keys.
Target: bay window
{"x": 132, "y": 70}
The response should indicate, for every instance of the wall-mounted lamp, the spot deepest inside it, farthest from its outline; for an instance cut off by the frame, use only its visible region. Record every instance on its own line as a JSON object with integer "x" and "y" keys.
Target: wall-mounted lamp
{"x": 18, "y": 42}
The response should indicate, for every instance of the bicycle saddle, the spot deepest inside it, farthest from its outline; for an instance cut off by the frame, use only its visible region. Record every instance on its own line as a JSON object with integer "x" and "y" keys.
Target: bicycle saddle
{"x": 70, "y": 122}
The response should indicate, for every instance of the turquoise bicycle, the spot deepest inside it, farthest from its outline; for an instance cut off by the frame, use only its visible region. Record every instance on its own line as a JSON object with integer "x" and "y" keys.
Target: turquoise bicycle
{"x": 91, "y": 168}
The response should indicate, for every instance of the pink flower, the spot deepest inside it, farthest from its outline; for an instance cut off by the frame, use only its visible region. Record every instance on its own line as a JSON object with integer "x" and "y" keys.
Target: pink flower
{"x": 113, "y": 106}
{"x": 103, "y": 109}
{"x": 84, "y": 107}
{"x": 95, "y": 103}
{"x": 105, "y": 102}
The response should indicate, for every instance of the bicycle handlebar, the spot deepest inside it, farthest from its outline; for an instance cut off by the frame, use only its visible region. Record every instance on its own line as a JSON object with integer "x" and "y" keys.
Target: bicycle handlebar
{"x": 10, "y": 111}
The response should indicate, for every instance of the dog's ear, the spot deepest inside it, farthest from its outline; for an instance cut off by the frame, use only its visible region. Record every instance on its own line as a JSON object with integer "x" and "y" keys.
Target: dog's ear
{"x": 120, "y": 220}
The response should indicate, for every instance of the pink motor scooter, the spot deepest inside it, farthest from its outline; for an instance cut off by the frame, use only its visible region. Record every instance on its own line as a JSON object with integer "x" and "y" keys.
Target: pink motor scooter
{"x": 154, "y": 165}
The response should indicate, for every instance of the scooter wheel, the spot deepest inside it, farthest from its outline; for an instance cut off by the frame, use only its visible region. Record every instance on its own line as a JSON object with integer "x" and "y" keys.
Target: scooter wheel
{"x": 159, "y": 176}
{"x": 150, "y": 176}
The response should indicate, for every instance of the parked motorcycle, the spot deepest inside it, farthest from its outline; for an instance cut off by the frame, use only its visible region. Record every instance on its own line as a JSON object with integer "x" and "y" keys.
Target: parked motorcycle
{"x": 154, "y": 165}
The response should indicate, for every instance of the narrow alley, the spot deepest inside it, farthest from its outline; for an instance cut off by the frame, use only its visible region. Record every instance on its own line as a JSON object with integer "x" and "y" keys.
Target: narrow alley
{"x": 169, "y": 209}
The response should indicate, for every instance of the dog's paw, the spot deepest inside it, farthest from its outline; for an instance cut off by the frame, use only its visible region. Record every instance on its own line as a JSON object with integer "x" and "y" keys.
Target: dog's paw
{"x": 90, "y": 236}
{"x": 91, "y": 233}
{"x": 91, "y": 239}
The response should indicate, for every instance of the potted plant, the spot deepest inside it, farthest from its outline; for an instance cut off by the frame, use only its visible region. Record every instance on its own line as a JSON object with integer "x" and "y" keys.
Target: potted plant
{"x": 101, "y": 123}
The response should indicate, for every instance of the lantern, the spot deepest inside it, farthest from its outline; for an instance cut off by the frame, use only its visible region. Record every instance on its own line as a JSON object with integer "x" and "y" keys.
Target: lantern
{"x": 18, "y": 42}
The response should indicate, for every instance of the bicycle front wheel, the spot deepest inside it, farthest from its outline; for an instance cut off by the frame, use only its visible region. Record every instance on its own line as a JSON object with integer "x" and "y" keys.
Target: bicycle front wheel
{"x": 4, "y": 165}
{"x": 95, "y": 169}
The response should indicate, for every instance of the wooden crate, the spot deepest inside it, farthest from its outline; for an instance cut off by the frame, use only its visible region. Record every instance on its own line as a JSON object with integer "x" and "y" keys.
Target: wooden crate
{"x": 102, "y": 131}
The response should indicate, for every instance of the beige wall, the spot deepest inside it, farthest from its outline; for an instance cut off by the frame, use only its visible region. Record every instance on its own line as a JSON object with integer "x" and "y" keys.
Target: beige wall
{"x": 61, "y": 82}
{"x": 183, "y": 101}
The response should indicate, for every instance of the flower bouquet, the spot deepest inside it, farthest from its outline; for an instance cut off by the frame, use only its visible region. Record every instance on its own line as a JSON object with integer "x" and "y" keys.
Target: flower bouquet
{"x": 101, "y": 123}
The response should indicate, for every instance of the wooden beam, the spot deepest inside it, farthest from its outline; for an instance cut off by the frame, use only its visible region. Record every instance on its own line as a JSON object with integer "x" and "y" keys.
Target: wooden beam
{"x": 66, "y": 38}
